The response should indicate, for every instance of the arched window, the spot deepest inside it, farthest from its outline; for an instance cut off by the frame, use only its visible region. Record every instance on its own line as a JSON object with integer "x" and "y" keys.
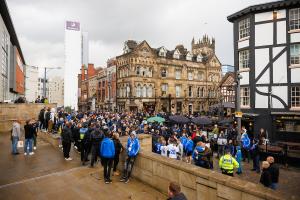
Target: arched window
{"x": 200, "y": 75}
{"x": 202, "y": 92}
{"x": 164, "y": 72}
{"x": 138, "y": 71}
{"x": 127, "y": 91}
{"x": 199, "y": 92}
{"x": 144, "y": 92}
{"x": 143, "y": 71}
{"x": 150, "y": 72}
{"x": 138, "y": 90}
{"x": 150, "y": 91}
{"x": 124, "y": 91}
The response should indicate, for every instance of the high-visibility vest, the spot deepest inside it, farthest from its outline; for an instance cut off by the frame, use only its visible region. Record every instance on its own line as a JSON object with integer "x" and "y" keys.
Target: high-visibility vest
{"x": 227, "y": 163}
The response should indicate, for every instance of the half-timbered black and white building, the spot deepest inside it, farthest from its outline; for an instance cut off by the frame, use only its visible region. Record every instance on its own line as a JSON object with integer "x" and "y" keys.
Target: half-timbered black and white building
{"x": 267, "y": 55}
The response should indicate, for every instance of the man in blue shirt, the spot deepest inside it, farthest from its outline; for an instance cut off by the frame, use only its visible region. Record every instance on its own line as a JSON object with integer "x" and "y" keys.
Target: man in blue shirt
{"x": 132, "y": 149}
{"x": 107, "y": 152}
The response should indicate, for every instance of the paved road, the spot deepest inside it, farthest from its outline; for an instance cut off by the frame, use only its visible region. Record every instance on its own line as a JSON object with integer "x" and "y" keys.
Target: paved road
{"x": 46, "y": 175}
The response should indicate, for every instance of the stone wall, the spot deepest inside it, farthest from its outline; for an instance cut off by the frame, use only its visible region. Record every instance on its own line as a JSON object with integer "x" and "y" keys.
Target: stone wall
{"x": 196, "y": 183}
{"x": 23, "y": 111}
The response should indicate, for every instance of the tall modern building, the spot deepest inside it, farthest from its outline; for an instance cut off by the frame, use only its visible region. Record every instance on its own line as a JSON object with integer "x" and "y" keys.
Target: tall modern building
{"x": 12, "y": 80}
{"x": 31, "y": 83}
{"x": 267, "y": 55}
{"x": 76, "y": 55}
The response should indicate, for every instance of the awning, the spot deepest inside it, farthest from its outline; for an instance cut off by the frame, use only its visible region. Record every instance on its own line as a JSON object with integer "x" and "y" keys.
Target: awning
{"x": 250, "y": 115}
{"x": 132, "y": 104}
{"x": 285, "y": 113}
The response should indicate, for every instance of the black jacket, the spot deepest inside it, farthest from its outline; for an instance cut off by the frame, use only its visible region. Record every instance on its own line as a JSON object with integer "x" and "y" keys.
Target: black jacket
{"x": 66, "y": 135}
{"x": 274, "y": 171}
{"x": 118, "y": 146}
{"x": 96, "y": 137}
{"x": 179, "y": 196}
{"x": 41, "y": 115}
{"x": 265, "y": 178}
{"x": 29, "y": 131}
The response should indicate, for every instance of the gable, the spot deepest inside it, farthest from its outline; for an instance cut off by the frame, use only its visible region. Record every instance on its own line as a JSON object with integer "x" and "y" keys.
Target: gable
{"x": 144, "y": 50}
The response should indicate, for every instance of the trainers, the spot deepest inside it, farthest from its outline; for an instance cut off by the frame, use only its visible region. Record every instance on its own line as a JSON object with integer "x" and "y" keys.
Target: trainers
{"x": 106, "y": 181}
{"x": 34, "y": 148}
{"x": 127, "y": 181}
{"x": 69, "y": 159}
{"x": 31, "y": 153}
{"x": 110, "y": 181}
{"x": 25, "y": 154}
{"x": 60, "y": 146}
{"x": 122, "y": 179}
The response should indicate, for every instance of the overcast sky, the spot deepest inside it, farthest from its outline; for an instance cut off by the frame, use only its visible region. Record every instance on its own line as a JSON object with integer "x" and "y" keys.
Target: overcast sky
{"x": 40, "y": 25}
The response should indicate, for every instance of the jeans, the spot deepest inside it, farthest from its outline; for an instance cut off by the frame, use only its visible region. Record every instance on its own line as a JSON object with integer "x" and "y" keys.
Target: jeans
{"x": 128, "y": 167}
{"x": 66, "y": 149}
{"x": 28, "y": 145}
{"x": 116, "y": 162}
{"x": 14, "y": 141}
{"x": 107, "y": 164}
{"x": 256, "y": 163}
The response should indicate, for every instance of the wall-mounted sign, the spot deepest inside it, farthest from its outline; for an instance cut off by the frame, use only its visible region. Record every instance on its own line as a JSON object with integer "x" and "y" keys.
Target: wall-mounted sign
{"x": 75, "y": 26}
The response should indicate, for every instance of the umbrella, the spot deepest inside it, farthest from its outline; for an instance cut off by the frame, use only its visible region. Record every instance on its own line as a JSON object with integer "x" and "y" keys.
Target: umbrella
{"x": 226, "y": 121}
{"x": 156, "y": 119}
{"x": 201, "y": 120}
{"x": 179, "y": 119}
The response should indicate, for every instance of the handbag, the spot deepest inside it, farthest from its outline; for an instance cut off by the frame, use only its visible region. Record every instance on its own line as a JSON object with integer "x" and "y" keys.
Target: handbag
{"x": 20, "y": 144}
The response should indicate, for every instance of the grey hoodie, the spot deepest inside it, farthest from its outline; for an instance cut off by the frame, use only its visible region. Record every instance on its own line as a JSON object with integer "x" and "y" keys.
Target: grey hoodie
{"x": 16, "y": 132}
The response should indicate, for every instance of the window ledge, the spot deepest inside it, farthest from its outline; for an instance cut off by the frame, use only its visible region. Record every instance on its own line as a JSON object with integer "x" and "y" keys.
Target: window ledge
{"x": 294, "y": 31}
{"x": 295, "y": 108}
{"x": 245, "y": 107}
{"x": 243, "y": 39}
{"x": 244, "y": 70}
{"x": 294, "y": 66}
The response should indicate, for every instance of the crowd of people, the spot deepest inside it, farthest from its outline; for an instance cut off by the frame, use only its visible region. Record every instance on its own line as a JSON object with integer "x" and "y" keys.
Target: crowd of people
{"x": 95, "y": 135}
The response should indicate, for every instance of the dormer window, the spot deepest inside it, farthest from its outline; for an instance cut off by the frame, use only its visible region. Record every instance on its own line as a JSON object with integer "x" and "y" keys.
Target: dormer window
{"x": 199, "y": 58}
{"x": 162, "y": 52}
{"x": 189, "y": 56}
{"x": 126, "y": 49}
{"x": 176, "y": 54}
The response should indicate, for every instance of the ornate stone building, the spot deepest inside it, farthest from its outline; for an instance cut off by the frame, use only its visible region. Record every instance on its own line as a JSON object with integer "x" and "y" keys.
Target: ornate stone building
{"x": 157, "y": 79}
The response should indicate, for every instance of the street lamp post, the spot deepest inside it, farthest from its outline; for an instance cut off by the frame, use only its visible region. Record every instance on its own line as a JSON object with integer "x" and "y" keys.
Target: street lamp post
{"x": 238, "y": 105}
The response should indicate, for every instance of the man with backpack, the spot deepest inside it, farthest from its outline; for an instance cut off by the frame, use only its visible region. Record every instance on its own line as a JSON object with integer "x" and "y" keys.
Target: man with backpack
{"x": 107, "y": 152}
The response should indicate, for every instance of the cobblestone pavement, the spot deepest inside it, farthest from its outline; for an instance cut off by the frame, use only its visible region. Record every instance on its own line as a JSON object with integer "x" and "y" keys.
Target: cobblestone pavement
{"x": 46, "y": 175}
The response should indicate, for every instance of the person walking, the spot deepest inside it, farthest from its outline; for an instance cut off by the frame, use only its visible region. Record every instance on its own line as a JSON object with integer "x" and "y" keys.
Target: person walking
{"x": 132, "y": 148}
{"x": 107, "y": 152}
{"x": 96, "y": 138}
{"x": 255, "y": 155}
{"x": 118, "y": 148}
{"x": 265, "y": 177}
{"x": 84, "y": 141}
{"x": 227, "y": 163}
{"x": 15, "y": 136}
{"x": 245, "y": 144}
{"x": 274, "y": 170}
{"x": 29, "y": 134}
{"x": 67, "y": 140}
{"x": 42, "y": 119}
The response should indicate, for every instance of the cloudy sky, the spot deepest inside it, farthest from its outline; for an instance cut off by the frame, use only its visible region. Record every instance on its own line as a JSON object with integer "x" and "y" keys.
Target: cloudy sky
{"x": 40, "y": 25}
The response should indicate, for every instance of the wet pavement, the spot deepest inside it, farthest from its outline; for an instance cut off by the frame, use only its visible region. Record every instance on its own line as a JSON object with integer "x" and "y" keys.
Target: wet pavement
{"x": 289, "y": 178}
{"x": 46, "y": 175}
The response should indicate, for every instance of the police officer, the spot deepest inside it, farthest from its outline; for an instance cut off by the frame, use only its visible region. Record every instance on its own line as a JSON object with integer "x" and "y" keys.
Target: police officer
{"x": 227, "y": 163}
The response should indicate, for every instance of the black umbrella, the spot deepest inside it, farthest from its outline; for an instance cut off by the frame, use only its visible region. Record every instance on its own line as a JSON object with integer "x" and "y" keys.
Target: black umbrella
{"x": 179, "y": 119}
{"x": 201, "y": 120}
{"x": 226, "y": 121}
